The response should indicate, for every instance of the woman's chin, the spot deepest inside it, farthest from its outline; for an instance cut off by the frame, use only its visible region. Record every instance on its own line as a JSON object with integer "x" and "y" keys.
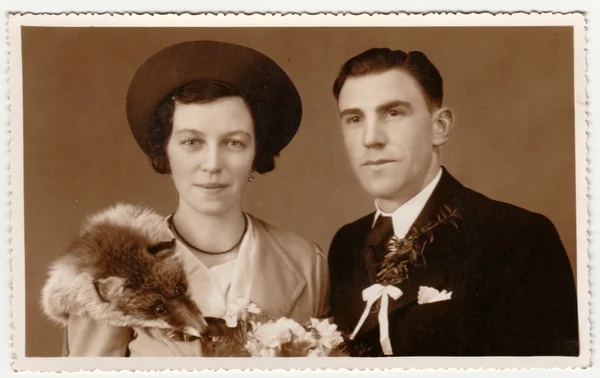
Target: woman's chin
{"x": 213, "y": 208}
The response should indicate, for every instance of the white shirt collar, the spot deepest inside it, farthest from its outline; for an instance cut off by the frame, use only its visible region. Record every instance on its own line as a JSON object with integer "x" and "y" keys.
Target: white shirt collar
{"x": 404, "y": 216}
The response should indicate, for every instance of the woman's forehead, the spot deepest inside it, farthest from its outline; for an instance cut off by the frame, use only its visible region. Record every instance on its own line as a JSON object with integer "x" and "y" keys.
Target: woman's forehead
{"x": 223, "y": 115}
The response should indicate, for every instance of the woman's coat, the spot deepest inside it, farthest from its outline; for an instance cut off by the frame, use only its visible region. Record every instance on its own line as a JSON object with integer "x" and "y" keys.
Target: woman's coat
{"x": 281, "y": 272}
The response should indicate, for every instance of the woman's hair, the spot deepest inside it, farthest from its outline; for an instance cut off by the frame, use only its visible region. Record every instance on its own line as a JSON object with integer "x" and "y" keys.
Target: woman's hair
{"x": 415, "y": 63}
{"x": 161, "y": 123}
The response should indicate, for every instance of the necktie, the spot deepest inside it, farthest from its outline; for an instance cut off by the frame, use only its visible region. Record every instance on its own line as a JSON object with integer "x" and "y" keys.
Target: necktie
{"x": 375, "y": 245}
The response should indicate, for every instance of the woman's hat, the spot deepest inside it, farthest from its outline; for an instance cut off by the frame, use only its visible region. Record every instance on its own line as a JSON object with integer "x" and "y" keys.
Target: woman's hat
{"x": 270, "y": 93}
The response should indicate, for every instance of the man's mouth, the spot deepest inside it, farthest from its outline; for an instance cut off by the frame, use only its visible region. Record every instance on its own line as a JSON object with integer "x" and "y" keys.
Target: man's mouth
{"x": 378, "y": 162}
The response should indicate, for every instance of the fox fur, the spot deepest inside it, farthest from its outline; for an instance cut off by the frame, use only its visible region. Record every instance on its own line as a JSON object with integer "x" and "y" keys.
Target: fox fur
{"x": 121, "y": 264}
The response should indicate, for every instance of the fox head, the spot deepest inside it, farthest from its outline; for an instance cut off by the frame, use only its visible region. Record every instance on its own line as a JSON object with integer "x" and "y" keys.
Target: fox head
{"x": 148, "y": 281}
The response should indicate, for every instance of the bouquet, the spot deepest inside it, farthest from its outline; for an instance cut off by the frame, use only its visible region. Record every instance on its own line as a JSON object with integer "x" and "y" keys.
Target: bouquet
{"x": 251, "y": 333}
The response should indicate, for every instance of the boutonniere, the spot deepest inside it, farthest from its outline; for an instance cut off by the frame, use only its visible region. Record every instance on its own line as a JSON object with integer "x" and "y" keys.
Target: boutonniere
{"x": 409, "y": 250}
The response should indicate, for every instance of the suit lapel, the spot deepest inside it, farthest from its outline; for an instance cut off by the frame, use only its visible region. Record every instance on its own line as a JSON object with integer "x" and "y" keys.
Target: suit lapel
{"x": 276, "y": 284}
{"x": 446, "y": 193}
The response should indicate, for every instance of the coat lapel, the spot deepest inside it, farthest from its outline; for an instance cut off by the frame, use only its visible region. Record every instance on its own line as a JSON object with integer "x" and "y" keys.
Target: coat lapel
{"x": 446, "y": 193}
{"x": 276, "y": 283}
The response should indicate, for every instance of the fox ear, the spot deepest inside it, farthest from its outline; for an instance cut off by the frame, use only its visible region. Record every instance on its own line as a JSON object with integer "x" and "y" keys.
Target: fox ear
{"x": 165, "y": 246}
{"x": 110, "y": 288}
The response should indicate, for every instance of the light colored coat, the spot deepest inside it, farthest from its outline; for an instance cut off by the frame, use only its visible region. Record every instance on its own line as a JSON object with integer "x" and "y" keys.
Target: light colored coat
{"x": 289, "y": 276}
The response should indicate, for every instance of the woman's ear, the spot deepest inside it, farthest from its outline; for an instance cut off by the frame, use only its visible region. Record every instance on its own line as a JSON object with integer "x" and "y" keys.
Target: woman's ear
{"x": 443, "y": 124}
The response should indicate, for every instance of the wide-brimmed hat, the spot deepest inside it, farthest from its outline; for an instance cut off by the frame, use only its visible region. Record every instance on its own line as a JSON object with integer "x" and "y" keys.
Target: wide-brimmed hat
{"x": 271, "y": 95}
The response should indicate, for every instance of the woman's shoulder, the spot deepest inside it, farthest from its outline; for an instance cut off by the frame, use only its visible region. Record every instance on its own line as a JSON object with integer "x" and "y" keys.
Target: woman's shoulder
{"x": 294, "y": 244}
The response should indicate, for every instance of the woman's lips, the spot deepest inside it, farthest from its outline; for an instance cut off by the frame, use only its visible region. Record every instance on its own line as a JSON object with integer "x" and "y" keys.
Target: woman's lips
{"x": 212, "y": 187}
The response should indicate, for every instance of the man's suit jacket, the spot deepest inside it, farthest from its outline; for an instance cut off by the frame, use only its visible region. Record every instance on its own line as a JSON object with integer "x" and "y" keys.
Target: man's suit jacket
{"x": 513, "y": 290}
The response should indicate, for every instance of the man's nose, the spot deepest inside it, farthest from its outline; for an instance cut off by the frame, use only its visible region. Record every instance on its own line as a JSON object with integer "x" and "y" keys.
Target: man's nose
{"x": 374, "y": 135}
{"x": 211, "y": 159}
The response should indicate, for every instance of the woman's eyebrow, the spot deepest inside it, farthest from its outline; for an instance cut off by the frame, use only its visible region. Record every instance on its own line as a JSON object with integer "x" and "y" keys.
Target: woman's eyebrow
{"x": 188, "y": 130}
{"x": 236, "y": 132}
{"x": 227, "y": 134}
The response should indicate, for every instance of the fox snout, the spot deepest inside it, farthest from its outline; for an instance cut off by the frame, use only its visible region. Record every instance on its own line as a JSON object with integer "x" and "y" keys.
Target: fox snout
{"x": 186, "y": 318}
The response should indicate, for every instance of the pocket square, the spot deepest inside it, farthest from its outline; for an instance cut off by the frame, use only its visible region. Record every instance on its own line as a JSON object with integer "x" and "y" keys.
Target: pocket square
{"x": 429, "y": 295}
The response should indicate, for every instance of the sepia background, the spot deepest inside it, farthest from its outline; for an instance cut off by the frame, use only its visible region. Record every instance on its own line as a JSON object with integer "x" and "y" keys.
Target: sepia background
{"x": 511, "y": 90}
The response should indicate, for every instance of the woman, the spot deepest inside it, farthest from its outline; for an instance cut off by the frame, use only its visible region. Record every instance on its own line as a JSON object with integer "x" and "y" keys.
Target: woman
{"x": 211, "y": 115}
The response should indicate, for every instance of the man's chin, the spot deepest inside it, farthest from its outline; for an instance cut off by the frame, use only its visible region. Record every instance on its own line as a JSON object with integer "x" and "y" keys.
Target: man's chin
{"x": 380, "y": 192}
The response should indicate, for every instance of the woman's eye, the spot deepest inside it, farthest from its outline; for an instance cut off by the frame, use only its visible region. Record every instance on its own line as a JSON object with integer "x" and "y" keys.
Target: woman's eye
{"x": 235, "y": 144}
{"x": 190, "y": 142}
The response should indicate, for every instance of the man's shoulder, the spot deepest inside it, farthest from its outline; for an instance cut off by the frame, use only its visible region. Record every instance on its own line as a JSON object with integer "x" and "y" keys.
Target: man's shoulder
{"x": 356, "y": 226}
{"x": 484, "y": 211}
{"x": 351, "y": 233}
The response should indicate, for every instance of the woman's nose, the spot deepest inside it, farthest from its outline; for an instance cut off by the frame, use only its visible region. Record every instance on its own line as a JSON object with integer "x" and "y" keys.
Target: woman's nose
{"x": 211, "y": 159}
{"x": 374, "y": 135}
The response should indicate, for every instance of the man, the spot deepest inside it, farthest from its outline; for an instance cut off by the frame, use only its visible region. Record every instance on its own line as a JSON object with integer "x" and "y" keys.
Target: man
{"x": 438, "y": 269}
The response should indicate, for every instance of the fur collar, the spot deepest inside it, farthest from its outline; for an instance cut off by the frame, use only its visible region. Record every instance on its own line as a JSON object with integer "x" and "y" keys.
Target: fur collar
{"x": 70, "y": 291}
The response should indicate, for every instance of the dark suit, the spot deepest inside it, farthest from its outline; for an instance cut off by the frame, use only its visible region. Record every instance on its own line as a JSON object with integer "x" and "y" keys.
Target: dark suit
{"x": 513, "y": 291}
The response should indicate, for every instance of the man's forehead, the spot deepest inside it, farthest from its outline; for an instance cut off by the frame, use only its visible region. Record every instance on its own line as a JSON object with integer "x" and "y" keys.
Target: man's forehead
{"x": 374, "y": 89}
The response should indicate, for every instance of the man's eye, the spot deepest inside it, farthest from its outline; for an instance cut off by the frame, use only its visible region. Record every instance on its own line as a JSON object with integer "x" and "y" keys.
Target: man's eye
{"x": 353, "y": 119}
{"x": 394, "y": 113}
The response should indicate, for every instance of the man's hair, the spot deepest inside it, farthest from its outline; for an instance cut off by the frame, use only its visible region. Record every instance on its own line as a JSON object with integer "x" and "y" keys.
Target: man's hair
{"x": 376, "y": 60}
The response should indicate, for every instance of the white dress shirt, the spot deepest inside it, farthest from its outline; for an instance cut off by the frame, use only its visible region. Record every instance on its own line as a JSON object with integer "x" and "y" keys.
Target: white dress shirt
{"x": 404, "y": 216}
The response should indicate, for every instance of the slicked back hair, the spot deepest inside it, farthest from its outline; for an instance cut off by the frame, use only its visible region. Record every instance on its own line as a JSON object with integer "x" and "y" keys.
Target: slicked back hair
{"x": 415, "y": 63}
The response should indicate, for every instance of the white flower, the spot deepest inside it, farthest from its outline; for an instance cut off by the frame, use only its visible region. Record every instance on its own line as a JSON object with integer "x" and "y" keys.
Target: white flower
{"x": 238, "y": 310}
{"x": 253, "y": 308}
{"x": 329, "y": 336}
{"x": 242, "y": 302}
{"x": 317, "y": 352}
{"x": 272, "y": 334}
{"x": 237, "y": 307}
{"x": 429, "y": 295}
{"x": 231, "y": 319}
{"x": 253, "y": 346}
{"x": 282, "y": 331}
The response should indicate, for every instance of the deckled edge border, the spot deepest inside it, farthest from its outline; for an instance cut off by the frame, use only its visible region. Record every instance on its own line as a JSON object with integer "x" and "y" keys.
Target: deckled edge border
{"x": 581, "y": 116}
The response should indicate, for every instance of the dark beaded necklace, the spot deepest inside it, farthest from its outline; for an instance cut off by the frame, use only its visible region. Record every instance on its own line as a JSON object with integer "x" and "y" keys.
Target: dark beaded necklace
{"x": 172, "y": 224}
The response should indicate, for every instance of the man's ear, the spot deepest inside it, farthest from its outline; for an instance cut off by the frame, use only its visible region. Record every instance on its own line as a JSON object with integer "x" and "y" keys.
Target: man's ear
{"x": 443, "y": 125}
{"x": 110, "y": 288}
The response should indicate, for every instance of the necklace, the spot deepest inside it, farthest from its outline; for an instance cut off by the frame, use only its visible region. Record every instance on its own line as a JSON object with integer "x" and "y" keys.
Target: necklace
{"x": 172, "y": 224}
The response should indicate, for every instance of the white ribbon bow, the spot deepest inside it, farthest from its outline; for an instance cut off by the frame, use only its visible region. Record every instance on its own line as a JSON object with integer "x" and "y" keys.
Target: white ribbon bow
{"x": 370, "y": 295}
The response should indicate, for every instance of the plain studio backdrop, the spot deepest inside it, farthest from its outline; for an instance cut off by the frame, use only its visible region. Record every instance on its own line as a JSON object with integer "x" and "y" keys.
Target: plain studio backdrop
{"x": 511, "y": 90}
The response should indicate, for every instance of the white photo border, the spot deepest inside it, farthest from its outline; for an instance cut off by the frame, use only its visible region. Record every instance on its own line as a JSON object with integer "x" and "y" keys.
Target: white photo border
{"x": 16, "y": 21}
